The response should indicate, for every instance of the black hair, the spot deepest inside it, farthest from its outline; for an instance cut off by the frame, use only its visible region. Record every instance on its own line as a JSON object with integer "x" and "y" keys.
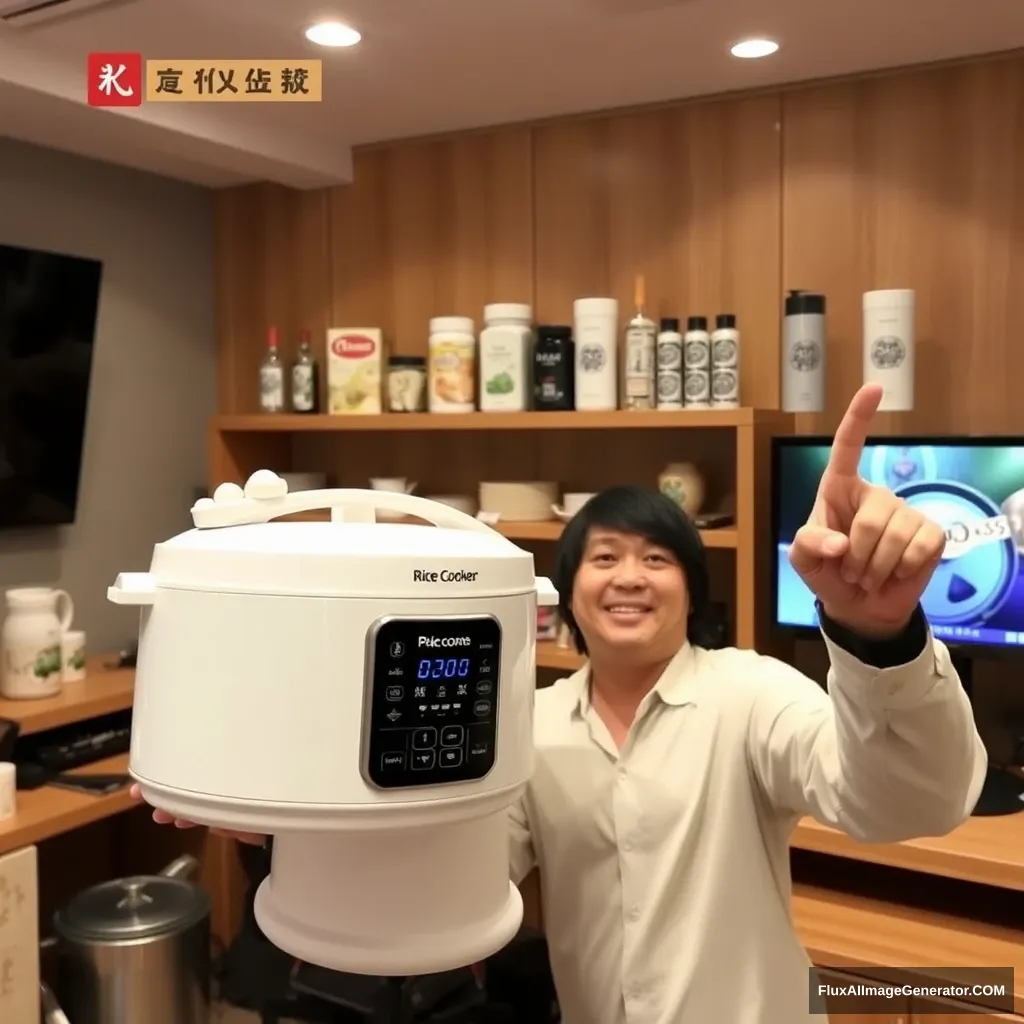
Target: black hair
{"x": 647, "y": 513}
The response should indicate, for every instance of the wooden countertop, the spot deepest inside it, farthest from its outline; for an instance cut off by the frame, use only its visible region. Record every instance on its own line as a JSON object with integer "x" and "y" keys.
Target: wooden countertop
{"x": 844, "y": 931}
{"x": 989, "y": 851}
{"x": 104, "y": 690}
{"x": 50, "y": 811}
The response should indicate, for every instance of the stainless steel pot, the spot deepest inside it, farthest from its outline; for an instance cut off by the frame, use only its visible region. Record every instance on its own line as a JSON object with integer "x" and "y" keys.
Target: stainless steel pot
{"x": 136, "y": 951}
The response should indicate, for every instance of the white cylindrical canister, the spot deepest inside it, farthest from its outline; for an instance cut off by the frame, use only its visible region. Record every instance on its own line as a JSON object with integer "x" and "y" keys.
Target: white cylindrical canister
{"x": 803, "y": 353}
{"x": 595, "y": 327}
{"x": 889, "y": 346}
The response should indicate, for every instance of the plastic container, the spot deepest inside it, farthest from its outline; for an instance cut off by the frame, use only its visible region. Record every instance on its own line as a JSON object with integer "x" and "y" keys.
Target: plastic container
{"x": 451, "y": 365}
{"x": 407, "y": 384}
{"x": 889, "y": 346}
{"x": 595, "y": 328}
{"x": 554, "y": 369}
{"x": 697, "y": 364}
{"x": 725, "y": 363}
{"x": 803, "y": 353}
{"x": 670, "y": 365}
{"x": 505, "y": 347}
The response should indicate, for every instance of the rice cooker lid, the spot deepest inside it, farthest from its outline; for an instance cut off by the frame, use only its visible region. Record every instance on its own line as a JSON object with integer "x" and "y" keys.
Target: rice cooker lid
{"x": 127, "y": 909}
{"x": 340, "y": 559}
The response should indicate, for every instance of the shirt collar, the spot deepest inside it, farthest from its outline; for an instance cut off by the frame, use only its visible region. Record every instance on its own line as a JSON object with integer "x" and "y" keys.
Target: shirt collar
{"x": 674, "y": 686}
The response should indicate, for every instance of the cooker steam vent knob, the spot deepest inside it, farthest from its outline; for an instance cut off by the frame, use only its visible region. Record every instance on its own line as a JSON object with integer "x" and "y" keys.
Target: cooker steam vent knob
{"x": 265, "y": 485}
{"x": 228, "y": 494}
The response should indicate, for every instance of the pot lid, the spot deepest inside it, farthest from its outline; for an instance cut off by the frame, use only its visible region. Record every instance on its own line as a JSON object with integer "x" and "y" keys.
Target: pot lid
{"x": 140, "y": 907}
{"x": 236, "y": 547}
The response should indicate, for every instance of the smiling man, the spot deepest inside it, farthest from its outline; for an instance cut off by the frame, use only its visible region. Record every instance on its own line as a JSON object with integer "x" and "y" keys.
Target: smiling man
{"x": 669, "y": 775}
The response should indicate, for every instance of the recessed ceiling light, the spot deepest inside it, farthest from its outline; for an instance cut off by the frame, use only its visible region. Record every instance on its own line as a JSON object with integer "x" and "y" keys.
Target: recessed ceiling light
{"x": 332, "y": 33}
{"x": 750, "y": 49}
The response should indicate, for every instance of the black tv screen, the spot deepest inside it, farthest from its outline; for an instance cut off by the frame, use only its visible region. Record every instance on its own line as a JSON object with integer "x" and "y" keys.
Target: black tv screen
{"x": 48, "y": 306}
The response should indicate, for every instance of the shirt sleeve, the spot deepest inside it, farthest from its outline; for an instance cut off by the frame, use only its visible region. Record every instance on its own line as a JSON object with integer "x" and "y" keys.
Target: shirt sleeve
{"x": 889, "y": 752}
{"x": 522, "y": 859}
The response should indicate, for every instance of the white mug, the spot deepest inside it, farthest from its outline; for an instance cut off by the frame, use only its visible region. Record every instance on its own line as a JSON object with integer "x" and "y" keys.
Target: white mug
{"x": 72, "y": 655}
{"x": 572, "y": 502}
{"x": 395, "y": 484}
{"x": 8, "y": 790}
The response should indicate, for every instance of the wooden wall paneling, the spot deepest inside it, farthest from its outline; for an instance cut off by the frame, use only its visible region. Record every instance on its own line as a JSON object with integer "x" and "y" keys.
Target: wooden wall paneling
{"x": 687, "y": 196}
{"x": 257, "y": 265}
{"x": 915, "y": 181}
{"x": 433, "y": 228}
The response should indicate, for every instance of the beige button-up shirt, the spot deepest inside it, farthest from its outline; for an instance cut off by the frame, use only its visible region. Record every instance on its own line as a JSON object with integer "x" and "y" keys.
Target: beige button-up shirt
{"x": 665, "y": 865}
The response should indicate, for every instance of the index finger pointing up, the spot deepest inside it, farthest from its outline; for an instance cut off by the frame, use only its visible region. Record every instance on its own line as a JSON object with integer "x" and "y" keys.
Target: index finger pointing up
{"x": 848, "y": 444}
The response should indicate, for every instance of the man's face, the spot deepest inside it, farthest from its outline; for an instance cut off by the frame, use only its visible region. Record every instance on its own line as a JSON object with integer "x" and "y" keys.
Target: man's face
{"x": 629, "y": 597}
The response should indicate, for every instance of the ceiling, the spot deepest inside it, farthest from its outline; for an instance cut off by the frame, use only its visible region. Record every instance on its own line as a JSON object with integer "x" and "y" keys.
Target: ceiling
{"x": 428, "y": 66}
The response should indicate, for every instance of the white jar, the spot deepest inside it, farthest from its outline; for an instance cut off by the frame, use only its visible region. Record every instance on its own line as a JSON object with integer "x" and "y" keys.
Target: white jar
{"x": 725, "y": 363}
{"x": 31, "y": 642}
{"x": 889, "y": 346}
{"x": 505, "y": 348}
{"x": 595, "y": 328}
{"x": 803, "y": 352}
{"x": 451, "y": 369}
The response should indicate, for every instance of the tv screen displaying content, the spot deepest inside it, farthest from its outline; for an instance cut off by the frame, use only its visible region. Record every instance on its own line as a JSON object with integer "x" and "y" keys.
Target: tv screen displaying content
{"x": 48, "y": 306}
{"x": 973, "y": 488}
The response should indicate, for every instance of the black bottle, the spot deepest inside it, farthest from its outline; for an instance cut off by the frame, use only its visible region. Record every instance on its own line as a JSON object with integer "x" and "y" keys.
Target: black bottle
{"x": 554, "y": 370}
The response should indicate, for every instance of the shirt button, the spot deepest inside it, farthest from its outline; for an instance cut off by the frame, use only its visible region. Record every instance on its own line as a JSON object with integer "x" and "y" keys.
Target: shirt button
{"x": 622, "y": 773}
{"x": 633, "y": 913}
{"x": 626, "y": 845}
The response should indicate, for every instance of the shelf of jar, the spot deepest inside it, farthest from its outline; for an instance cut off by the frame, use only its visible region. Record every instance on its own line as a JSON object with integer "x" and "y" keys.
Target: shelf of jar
{"x": 548, "y": 530}
{"x": 571, "y": 420}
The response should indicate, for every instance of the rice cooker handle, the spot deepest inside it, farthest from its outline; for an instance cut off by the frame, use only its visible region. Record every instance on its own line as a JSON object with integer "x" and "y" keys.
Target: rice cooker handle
{"x": 265, "y": 497}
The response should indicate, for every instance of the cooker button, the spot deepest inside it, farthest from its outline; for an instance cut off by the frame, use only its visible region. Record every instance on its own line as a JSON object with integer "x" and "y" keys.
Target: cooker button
{"x": 394, "y": 693}
{"x": 423, "y": 759}
{"x": 482, "y": 708}
{"x": 392, "y": 761}
{"x": 452, "y": 736}
{"x": 479, "y": 742}
{"x": 424, "y": 739}
{"x": 484, "y": 687}
{"x": 451, "y": 757}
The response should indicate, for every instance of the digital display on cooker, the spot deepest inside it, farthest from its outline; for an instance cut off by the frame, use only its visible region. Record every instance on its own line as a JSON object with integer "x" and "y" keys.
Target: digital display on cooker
{"x": 431, "y": 701}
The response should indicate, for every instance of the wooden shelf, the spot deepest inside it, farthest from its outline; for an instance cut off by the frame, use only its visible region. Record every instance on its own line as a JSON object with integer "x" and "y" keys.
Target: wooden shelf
{"x": 550, "y": 655}
{"x": 542, "y": 530}
{"x": 989, "y": 851}
{"x": 843, "y": 931}
{"x": 50, "y": 811}
{"x": 390, "y": 422}
{"x": 103, "y": 691}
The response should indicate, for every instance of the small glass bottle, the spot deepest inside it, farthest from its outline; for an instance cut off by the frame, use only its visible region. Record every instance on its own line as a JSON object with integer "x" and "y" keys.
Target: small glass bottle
{"x": 272, "y": 376}
{"x": 305, "y": 378}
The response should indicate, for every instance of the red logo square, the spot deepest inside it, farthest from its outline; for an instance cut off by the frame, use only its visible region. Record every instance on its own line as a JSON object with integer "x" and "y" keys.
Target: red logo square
{"x": 115, "y": 80}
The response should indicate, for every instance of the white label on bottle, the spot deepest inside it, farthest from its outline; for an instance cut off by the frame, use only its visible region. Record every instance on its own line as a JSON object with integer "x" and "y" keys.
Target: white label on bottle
{"x": 723, "y": 351}
{"x": 697, "y": 353}
{"x": 271, "y": 388}
{"x": 725, "y": 388}
{"x": 640, "y": 363}
{"x": 697, "y": 388}
{"x": 302, "y": 387}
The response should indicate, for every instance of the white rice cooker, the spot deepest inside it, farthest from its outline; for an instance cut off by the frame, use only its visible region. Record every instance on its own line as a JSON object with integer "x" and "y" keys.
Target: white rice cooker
{"x": 361, "y": 691}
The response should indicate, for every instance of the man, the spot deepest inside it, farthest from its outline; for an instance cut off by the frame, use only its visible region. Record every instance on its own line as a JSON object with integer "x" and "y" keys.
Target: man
{"x": 669, "y": 776}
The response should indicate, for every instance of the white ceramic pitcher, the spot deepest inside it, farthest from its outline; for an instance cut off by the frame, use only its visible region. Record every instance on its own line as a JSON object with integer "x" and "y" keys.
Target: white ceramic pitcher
{"x": 36, "y": 619}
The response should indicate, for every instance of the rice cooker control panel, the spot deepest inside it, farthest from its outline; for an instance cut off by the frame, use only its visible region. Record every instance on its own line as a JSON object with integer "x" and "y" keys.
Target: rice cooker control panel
{"x": 431, "y": 701}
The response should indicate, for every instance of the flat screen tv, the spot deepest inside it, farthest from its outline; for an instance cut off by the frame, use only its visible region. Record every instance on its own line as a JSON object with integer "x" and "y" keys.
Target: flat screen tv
{"x": 48, "y": 306}
{"x": 973, "y": 487}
